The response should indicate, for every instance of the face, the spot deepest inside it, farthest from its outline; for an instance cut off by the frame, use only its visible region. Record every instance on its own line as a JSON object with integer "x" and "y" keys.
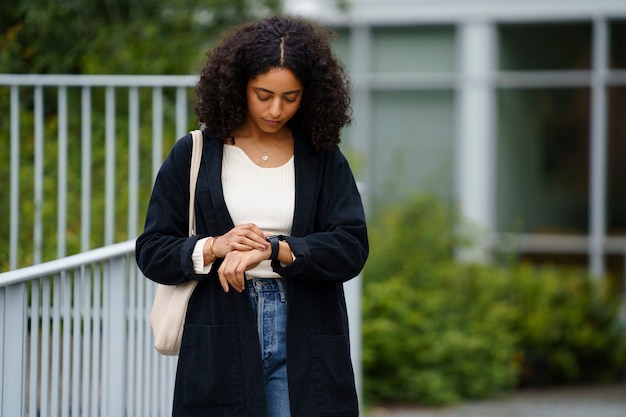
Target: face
{"x": 273, "y": 99}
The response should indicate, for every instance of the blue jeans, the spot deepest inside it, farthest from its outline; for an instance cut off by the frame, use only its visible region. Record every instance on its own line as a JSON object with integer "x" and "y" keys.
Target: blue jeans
{"x": 269, "y": 304}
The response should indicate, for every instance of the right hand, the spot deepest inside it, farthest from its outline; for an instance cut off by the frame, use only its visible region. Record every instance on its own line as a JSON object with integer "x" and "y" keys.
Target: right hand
{"x": 243, "y": 237}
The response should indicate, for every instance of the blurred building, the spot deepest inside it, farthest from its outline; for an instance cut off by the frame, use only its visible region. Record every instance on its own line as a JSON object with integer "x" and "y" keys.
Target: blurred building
{"x": 515, "y": 110}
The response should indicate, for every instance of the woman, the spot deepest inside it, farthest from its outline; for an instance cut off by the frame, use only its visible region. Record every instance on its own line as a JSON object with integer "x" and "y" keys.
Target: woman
{"x": 280, "y": 227}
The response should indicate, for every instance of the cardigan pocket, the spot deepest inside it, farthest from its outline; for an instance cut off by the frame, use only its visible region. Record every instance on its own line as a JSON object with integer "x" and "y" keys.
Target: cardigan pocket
{"x": 210, "y": 366}
{"x": 333, "y": 376}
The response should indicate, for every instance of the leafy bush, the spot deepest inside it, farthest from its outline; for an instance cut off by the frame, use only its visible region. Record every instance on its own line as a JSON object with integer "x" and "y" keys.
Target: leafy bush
{"x": 434, "y": 330}
{"x": 567, "y": 326}
{"x": 438, "y": 331}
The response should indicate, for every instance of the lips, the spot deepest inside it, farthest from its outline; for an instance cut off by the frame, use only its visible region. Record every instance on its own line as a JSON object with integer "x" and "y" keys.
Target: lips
{"x": 272, "y": 123}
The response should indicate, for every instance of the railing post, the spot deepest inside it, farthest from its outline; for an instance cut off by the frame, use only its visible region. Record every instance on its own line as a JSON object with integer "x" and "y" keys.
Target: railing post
{"x": 13, "y": 350}
{"x": 115, "y": 360}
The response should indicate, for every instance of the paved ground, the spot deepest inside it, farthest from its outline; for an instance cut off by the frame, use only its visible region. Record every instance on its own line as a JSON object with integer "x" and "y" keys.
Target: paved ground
{"x": 605, "y": 401}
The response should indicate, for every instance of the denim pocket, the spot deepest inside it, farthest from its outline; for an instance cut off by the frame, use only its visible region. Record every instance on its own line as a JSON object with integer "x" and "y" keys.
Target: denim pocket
{"x": 333, "y": 377}
{"x": 210, "y": 366}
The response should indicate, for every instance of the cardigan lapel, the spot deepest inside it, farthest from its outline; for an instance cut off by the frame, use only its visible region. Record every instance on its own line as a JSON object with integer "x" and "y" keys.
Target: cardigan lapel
{"x": 306, "y": 172}
{"x": 213, "y": 151}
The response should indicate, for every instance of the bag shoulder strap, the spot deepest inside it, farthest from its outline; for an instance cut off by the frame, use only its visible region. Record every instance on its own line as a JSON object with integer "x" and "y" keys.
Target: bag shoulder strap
{"x": 196, "y": 156}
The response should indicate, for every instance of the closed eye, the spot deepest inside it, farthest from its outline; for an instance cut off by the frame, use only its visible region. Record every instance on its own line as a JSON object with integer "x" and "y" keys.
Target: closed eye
{"x": 288, "y": 96}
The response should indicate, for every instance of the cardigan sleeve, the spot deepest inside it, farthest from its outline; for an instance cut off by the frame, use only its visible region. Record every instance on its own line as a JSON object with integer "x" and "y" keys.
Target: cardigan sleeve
{"x": 337, "y": 247}
{"x": 164, "y": 249}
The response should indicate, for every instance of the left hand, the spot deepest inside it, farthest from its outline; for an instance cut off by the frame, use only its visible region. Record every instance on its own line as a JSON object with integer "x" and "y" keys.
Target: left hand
{"x": 236, "y": 263}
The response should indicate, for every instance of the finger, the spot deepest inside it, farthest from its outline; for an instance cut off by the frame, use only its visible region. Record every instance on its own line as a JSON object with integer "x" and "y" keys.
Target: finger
{"x": 223, "y": 282}
{"x": 244, "y": 245}
{"x": 254, "y": 234}
{"x": 257, "y": 243}
{"x": 254, "y": 229}
{"x": 227, "y": 270}
{"x": 236, "y": 283}
{"x": 243, "y": 237}
{"x": 234, "y": 273}
{"x": 240, "y": 279}
{"x": 223, "y": 273}
{"x": 247, "y": 241}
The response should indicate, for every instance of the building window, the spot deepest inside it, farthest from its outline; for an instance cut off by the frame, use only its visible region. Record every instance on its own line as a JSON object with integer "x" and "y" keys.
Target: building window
{"x": 542, "y": 164}
{"x": 616, "y": 167}
{"x": 617, "y": 44}
{"x": 616, "y": 131}
{"x": 415, "y": 49}
{"x": 413, "y": 143}
{"x": 546, "y": 46}
{"x": 546, "y": 96}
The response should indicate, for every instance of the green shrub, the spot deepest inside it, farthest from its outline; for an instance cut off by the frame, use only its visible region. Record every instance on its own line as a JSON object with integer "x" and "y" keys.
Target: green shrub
{"x": 567, "y": 326}
{"x": 434, "y": 331}
{"x": 438, "y": 331}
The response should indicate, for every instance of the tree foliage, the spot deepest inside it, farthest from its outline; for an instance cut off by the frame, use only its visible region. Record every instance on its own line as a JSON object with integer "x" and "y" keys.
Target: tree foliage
{"x": 95, "y": 37}
{"x": 116, "y": 36}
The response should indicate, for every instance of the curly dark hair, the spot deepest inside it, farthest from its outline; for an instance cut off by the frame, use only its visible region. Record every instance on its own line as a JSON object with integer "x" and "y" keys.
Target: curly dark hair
{"x": 256, "y": 47}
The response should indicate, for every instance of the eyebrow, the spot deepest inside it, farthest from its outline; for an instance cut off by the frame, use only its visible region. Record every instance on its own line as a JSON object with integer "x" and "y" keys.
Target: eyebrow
{"x": 265, "y": 90}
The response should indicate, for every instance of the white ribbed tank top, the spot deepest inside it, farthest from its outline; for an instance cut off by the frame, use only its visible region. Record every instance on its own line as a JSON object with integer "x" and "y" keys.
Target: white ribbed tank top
{"x": 263, "y": 196}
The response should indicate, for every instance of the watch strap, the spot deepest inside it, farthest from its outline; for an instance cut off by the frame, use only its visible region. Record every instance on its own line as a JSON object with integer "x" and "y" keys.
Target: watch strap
{"x": 274, "y": 243}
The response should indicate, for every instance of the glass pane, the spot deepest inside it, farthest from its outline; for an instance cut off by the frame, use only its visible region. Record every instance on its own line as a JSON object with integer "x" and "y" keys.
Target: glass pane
{"x": 355, "y": 156}
{"x": 614, "y": 265}
{"x": 341, "y": 46}
{"x": 616, "y": 173}
{"x": 542, "y": 168}
{"x": 559, "y": 46}
{"x": 412, "y": 146}
{"x": 413, "y": 49}
{"x": 618, "y": 44}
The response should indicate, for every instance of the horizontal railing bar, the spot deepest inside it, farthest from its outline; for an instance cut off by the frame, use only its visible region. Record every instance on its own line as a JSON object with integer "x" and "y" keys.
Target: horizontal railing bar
{"x": 501, "y": 78}
{"x": 560, "y": 244}
{"x": 73, "y": 261}
{"x": 617, "y": 77}
{"x": 550, "y": 79}
{"x": 56, "y": 80}
{"x": 404, "y": 81}
{"x": 543, "y": 78}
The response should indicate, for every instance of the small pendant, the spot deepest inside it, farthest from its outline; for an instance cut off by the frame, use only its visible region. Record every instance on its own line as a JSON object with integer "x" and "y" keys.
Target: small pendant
{"x": 265, "y": 157}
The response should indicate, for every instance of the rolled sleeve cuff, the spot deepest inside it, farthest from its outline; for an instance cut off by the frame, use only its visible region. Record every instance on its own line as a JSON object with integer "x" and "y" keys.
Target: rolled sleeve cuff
{"x": 197, "y": 257}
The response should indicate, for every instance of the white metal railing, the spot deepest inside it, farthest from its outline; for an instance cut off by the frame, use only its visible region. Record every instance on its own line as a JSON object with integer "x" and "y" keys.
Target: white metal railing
{"x": 75, "y": 339}
{"x": 100, "y": 117}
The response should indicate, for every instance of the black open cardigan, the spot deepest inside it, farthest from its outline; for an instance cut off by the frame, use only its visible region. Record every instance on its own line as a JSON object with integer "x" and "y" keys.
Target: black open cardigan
{"x": 220, "y": 369}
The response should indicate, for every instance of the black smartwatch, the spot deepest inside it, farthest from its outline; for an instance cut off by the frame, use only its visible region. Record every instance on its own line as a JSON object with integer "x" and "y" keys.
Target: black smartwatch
{"x": 273, "y": 240}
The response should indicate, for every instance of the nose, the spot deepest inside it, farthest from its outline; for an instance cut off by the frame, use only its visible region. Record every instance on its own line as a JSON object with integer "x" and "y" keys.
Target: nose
{"x": 275, "y": 108}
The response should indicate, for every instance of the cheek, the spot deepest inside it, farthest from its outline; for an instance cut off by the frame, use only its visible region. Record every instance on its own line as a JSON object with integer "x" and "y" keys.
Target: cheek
{"x": 255, "y": 107}
{"x": 295, "y": 107}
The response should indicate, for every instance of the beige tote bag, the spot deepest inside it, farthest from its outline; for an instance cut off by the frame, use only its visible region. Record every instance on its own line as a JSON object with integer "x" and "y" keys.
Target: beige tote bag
{"x": 169, "y": 308}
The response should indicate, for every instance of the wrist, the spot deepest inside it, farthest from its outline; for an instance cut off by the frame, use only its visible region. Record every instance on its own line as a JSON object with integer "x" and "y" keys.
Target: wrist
{"x": 274, "y": 247}
{"x": 211, "y": 250}
{"x": 208, "y": 250}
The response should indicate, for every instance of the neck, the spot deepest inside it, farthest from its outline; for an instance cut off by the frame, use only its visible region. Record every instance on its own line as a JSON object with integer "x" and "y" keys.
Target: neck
{"x": 260, "y": 137}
